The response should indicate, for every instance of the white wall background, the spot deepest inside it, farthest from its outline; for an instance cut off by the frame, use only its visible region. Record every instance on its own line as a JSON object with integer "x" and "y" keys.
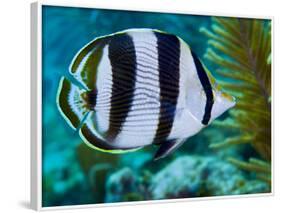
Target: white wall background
{"x": 15, "y": 98}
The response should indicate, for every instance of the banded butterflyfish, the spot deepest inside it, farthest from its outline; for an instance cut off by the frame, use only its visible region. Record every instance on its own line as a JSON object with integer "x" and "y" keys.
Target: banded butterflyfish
{"x": 139, "y": 87}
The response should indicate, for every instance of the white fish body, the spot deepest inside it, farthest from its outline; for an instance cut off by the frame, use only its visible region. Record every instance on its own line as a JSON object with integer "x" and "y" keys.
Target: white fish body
{"x": 141, "y": 87}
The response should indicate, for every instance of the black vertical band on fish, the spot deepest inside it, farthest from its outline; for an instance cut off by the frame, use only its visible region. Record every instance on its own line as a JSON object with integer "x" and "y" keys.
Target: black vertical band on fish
{"x": 169, "y": 63}
{"x": 91, "y": 98}
{"x": 203, "y": 77}
{"x": 122, "y": 58}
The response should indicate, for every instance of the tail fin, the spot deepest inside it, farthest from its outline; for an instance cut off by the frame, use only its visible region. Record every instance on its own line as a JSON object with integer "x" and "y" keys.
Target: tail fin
{"x": 71, "y": 104}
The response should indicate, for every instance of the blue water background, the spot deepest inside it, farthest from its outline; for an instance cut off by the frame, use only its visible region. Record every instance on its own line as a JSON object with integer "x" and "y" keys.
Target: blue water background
{"x": 67, "y": 170}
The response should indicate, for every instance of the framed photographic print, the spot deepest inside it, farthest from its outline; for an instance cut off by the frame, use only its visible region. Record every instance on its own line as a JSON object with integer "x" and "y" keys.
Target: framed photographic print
{"x": 148, "y": 106}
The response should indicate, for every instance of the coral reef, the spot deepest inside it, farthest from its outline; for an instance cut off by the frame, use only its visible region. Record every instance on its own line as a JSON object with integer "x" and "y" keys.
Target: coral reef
{"x": 186, "y": 176}
{"x": 193, "y": 176}
{"x": 120, "y": 184}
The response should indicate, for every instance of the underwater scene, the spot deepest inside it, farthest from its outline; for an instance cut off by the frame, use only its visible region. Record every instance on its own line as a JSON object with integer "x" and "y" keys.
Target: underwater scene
{"x": 221, "y": 147}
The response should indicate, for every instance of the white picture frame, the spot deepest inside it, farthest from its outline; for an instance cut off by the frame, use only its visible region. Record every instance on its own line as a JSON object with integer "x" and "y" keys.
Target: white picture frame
{"x": 36, "y": 108}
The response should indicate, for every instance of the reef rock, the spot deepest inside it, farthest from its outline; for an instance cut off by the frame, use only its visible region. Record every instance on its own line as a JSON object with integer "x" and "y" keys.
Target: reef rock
{"x": 121, "y": 184}
{"x": 186, "y": 176}
{"x": 193, "y": 176}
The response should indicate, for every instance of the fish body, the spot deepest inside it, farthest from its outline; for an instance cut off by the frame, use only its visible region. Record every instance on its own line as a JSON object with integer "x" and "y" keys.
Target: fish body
{"x": 139, "y": 87}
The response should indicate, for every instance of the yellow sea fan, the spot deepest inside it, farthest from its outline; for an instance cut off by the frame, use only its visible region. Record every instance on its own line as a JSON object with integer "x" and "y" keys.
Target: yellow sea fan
{"x": 242, "y": 49}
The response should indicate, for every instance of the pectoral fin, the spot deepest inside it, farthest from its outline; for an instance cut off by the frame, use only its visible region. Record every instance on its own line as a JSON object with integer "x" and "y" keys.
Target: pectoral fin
{"x": 167, "y": 148}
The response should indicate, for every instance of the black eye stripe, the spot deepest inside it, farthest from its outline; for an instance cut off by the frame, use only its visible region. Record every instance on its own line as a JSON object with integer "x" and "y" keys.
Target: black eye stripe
{"x": 207, "y": 87}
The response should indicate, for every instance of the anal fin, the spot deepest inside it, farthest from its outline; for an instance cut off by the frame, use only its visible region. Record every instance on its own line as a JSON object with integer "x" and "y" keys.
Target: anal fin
{"x": 167, "y": 148}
